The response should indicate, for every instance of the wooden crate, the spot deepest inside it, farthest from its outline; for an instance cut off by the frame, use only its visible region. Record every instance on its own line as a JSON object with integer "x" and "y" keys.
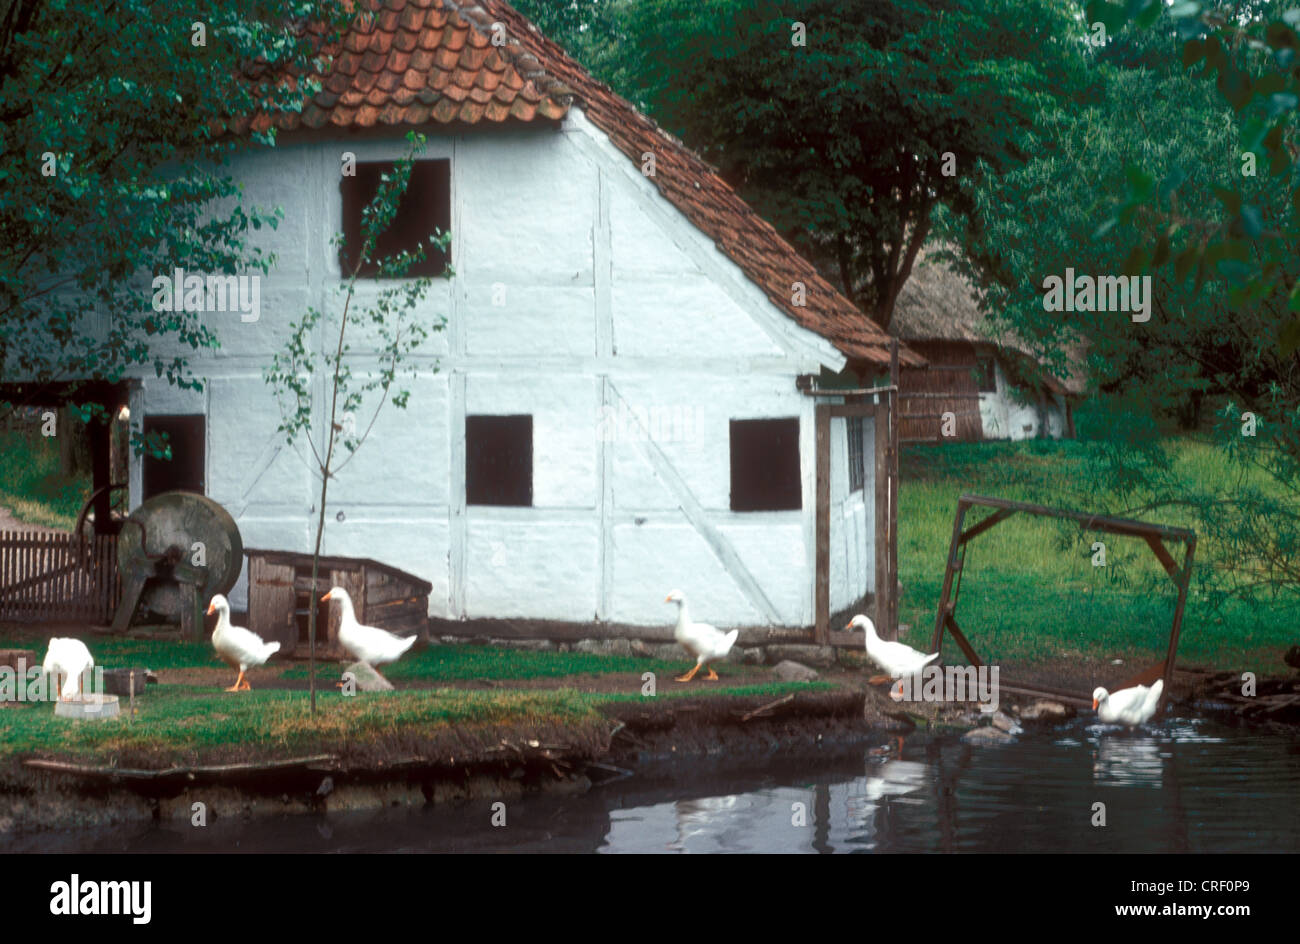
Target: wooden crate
{"x": 280, "y": 591}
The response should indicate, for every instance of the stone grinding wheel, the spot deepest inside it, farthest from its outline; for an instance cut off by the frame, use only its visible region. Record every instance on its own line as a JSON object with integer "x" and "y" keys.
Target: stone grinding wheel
{"x": 175, "y": 521}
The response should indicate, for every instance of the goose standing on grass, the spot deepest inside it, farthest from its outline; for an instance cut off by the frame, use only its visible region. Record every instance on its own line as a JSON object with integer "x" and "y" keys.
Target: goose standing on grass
{"x": 895, "y": 658}
{"x": 69, "y": 658}
{"x": 239, "y": 648}
{"x": 706, "y": 643}
{"x": 1130, "y": 706}
{"x": 369, "y": 644}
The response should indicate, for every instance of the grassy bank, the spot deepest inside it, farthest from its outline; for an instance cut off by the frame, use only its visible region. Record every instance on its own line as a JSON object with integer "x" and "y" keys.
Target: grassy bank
{"x": 1030, "y": 590}
{"x": 182, "y": 722}
{"x": 189, "y": 724}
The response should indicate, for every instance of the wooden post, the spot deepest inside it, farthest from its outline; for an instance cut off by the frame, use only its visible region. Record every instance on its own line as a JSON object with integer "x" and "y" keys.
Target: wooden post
{"x": 892, "y": 624}
{"x": 822, "y": 630}
{"x": 940, "y": 617}
{"x": 1183, "y": 584}
{"x": 101, "y": 464}
{"x": 881, "y": 425}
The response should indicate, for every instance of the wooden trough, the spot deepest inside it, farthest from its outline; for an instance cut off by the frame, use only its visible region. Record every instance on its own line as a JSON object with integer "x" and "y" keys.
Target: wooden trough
{"x": 280, "y": 594}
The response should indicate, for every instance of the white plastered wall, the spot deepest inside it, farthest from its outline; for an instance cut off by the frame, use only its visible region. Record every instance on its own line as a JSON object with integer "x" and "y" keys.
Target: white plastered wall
{"x": 583, "y": 298}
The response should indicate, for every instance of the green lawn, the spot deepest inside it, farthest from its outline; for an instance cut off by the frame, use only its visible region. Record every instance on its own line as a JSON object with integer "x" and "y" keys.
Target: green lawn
{"x": 431, "y": 663}
{"x": 1030, "y": 590}
{"x": 445, "y": 663}
{"x": 183, "y": 723}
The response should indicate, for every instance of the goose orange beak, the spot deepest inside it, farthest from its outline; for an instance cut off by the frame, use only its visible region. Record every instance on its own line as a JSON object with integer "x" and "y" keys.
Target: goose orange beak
{"x": 324, "y": 598}
{"x": 212, "y": 608}
{"x": 668, "y": 599}
{"x": 1094, "y": 704}
{"x": 848, "y": 626}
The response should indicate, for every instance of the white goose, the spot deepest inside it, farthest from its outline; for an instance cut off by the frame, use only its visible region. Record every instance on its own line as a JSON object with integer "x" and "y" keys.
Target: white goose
{"x": 69, "y": 658}
{"x": 369, "y": 644}
{"x": 1133, "y": 705}
{"x": 896, "y": 658}
{"x": 706, "y": 643}
{"x": 239, "y": 648}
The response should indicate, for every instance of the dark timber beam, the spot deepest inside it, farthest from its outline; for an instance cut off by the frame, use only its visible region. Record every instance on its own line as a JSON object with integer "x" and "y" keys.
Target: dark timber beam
{"x": 990, "y": 521}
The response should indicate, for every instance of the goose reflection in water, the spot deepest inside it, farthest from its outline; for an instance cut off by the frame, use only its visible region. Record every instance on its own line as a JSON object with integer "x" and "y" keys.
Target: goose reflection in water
{"x": 1133, "y": 761}
{"x": 891, "y": 779}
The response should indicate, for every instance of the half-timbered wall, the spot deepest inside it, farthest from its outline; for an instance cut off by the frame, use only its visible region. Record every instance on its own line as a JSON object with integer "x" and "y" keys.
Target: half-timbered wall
{"x": 584, "y": 299}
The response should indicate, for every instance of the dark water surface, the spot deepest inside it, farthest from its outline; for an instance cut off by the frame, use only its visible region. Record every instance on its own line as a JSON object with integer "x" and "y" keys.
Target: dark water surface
{"x": 1176, "y": 787}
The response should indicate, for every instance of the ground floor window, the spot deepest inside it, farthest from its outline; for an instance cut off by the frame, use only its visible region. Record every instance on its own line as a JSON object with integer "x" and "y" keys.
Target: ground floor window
{"x": 499, "y": 460}
{"x": 765, "y": 465}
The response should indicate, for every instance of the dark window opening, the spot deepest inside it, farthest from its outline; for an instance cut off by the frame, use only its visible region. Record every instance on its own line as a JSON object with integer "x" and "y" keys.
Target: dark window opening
{"x": 424, "y": 211}
{"x": 856, "y": 454}
{"x": 499, "y": 460}
{"x": 765, "y": 465}
{"x": 986, "y": 375}
{"x": 184, "y": 470}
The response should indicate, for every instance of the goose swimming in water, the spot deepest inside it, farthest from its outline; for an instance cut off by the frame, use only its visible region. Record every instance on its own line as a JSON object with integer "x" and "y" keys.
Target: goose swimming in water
{"x": 1130, "y": 706}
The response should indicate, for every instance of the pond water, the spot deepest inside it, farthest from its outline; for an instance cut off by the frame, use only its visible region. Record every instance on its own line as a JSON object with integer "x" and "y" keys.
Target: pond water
{"x": 1183, "y": 786}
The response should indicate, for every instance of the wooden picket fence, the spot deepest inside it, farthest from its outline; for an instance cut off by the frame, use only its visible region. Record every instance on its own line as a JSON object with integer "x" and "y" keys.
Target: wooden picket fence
{"x": 42, "y": 581}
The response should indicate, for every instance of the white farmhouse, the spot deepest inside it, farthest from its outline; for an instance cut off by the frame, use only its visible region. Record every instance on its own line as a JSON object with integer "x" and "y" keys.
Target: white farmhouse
{"x": 615, "y": 407}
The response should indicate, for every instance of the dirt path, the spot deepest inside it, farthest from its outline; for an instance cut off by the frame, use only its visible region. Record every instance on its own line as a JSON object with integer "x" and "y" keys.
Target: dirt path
{"x": 9, "y": 523}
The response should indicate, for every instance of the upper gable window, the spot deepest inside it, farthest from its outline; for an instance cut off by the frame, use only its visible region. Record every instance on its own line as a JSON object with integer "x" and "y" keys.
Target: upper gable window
{"x": 424, "y": 211}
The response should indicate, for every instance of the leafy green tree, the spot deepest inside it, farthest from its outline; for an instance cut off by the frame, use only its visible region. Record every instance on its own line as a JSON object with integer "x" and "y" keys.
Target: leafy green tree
{"x": 1150, "y": 171}
{"x": 594, "y": 32}
{"x": 111, "y": 170}
{"x": 848, "y": 124}
{"x": 393, "y": 333}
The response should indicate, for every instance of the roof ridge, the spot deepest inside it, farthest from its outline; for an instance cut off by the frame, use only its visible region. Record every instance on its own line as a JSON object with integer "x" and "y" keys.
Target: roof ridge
{"x": 482, "y": 21}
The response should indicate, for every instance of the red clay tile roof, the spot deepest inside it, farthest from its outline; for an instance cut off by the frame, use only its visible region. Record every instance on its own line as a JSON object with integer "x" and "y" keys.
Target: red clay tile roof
{"x": 411, "y": 62}
{"x": 419, "y": 61}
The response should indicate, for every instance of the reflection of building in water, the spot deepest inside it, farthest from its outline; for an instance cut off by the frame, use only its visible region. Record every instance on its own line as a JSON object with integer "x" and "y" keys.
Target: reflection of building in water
{"x": 711, "y": 817}
{"x": 763, "y": 821}
{"x": 1128, "y": 760}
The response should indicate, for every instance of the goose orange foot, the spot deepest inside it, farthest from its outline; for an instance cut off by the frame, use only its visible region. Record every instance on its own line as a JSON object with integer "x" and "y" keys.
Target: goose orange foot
{"x": 712, "y": 676}
{"x": 241, "y": 684}
{"x": 689, "y": 675}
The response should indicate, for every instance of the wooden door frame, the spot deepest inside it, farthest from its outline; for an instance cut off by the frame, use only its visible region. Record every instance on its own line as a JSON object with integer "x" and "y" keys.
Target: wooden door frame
{"x": 885, "y": 487}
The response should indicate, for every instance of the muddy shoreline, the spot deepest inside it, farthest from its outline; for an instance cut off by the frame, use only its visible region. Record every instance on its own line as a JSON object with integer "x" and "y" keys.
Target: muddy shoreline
{"x": 506, "y": 762}
{"x": 502, "y": 762}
